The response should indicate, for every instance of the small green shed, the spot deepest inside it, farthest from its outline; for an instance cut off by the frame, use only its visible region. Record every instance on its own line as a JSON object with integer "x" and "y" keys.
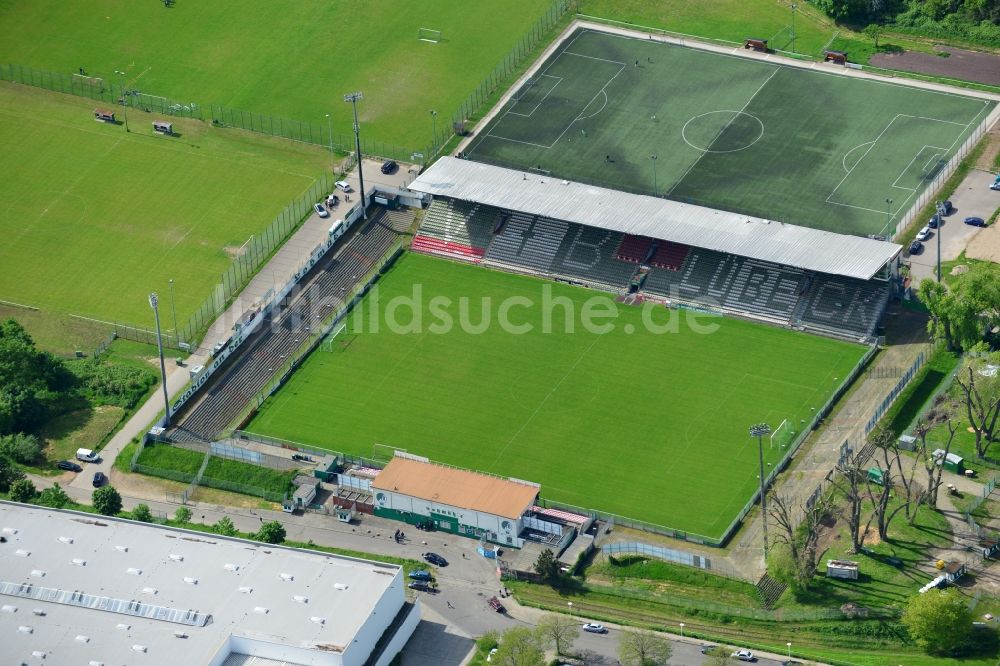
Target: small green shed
{"x": 952, "y": 462}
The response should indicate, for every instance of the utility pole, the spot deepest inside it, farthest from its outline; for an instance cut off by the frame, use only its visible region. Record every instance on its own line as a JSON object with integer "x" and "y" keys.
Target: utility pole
{"x": 794, "y": 7}
{"x": 154, "y": 303}
{"x": 329, "y": 130}
{"x": 652, "y": 158}
{"x": 353, "y": 99}
{"x": 759, "y": 431}
{"x": 121, "y": 76}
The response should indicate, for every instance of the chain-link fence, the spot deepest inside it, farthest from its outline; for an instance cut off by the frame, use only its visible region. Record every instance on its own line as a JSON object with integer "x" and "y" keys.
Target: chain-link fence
{"x": 254, "y": 253}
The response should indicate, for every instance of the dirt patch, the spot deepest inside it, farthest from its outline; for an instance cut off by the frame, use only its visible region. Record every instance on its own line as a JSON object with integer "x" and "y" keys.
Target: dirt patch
{"x": 985, "y": 245}
{"x": 959, "y": 64}
{"x": 871, "y": 537}
{"x": 232, "y": 251}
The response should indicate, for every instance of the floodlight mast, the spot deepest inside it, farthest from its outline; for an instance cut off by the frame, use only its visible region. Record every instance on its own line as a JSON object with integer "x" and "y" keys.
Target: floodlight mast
{"x": 154, "y": 302}
{"x": 758, "y": 431}
{"x": 353, "y": 99}
{"x": 121, "y": 76}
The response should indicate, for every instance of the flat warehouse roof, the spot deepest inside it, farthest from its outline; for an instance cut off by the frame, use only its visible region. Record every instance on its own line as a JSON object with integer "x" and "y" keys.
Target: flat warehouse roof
{"x": 734, "y": 233}
{"x": 104, "y": 586}
{"x": 456, "y": 487}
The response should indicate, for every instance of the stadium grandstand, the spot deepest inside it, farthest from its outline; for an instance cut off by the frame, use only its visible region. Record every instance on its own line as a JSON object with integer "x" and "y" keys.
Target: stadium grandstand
{"x": 320, "y": 291}
{"x": 675, "y": 252}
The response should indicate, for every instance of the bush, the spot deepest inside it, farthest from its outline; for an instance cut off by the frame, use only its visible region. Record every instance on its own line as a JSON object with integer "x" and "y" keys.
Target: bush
{"x": 113, "y": 383}
{"x": 142, "y": 513}
{"x": 22, "y": 448}
{"x": 182, "y": 515}
{"x": 54, "y": 497}
{"x": 22, "y": 490}
{"x": 9, "y": 473}
{"x": 107, "y": 501}
{"x": 225, "y": 527}
{"x": 271, "y": 532}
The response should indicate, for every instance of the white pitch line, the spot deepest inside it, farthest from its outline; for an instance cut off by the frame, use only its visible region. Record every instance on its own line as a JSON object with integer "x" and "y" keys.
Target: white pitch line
{"x": 862, "y": 158}
{"x": 580, "y": 55}
{"x": 558, "y": 79}
{"x": 724, "y": 128}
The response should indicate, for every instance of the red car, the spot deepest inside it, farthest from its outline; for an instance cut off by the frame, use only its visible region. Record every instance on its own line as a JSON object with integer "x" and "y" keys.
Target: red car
{"x": 496, "y": 605}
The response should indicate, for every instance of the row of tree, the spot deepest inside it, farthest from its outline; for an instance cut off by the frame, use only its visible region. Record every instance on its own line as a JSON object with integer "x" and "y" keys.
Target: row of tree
{"x": 911, "y": 11}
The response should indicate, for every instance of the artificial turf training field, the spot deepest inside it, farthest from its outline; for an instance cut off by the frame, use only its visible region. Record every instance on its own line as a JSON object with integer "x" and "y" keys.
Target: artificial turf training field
{"x": 645, "y": 425}
{"x": 292, "y": 59}
{"x": 93, "y": 218}
{"x": 779, "y": 142}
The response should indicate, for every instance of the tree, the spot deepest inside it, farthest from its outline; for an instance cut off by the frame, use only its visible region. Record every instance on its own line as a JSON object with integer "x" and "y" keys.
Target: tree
{"x": 142, "y": 513}
{"x": 9, "y": 473}
{"x": 225, "y": 527}
{"x": 21, "y": 447}
{"x": 107, "y": 501}
{"x": 850, "y": 481}
{"x": 939, "y": 620}
{"x": 936, "y": 415}
{"x": 560, "y": 630}
{"x": 873, "y": 31}
{"x": 270, "y": 532}
{"x": 54, "y": 497}
{"x": 30, "y": 380}
{"x": 801, "y": 539}
{"x": 520, "y": 646}
{"x": 22, "y": 490}
{"x": 182, "y": 514}
{"x": 643, "y": 648}
{"x": 546, "y": 566}
{"x": 981, "y": 398}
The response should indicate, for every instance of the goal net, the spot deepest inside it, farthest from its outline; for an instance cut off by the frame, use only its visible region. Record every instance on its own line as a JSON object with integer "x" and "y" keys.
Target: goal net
{"x": 429, "y": 35}
{"x": 90, "y": 83}
{"x": 782, "y": 435}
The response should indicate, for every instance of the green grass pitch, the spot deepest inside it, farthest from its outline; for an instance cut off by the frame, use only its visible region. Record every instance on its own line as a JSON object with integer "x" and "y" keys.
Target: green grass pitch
{"x": 775, "y": 141}
{"x": 646, "y": 425}
{"x": 93, "y": 219}
{"x": 289, "y": 59}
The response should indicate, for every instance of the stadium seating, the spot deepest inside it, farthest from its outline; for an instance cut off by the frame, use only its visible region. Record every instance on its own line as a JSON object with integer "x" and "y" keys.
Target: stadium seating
{"x": 323, "y": 289}
{"x": 456, "y": 229}
{"x": 729, "y": 283}
{"x": 635, "y": 249}
{"x": 842, "y": 306}
{"x": 527, "y": 242}
{"x": 669, "y": 255}
{"x": 587, "y": 255}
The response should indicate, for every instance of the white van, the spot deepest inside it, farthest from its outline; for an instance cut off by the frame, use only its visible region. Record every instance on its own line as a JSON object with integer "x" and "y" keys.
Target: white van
{"x": 87, "y": 455}
{"x": 343, "y": 186}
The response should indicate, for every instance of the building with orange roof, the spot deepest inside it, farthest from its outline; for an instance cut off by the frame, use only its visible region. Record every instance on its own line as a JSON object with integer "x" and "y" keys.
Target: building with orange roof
{"x": 467, "y": 503}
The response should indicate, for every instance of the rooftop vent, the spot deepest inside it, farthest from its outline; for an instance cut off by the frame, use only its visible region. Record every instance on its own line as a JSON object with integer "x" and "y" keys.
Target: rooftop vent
{"x": 245, "y": 589}
{"x": 132, "y": 571}
{"x": 318, "y": 620}
{"x": 9, "y": 530}
{"x": 24, "y": 629}
{"x": 7, "y": 608}
{"x": 302, "y": 599}
{"x": 260, "y": 610}
{"x": 39, "y": 654}
{"x": 339, "y": 586}
{"x": 66, "y": 540}
{"x": 190, "y": 580}
{"x": 79, "y": 562}
{"x": 38, "y": 573}
{"x": 175, "y": 557}
{"x": 231, "y": 567}
{"x": 287, "y": 577}
{"x": 121, "y": 549}
{"x": 139, "y": 648}
{"x": 21, "y": 552}
{"x": 39, "y": 612}
{"x": 80, "y": 638}
{"x": 180, "y": 634}
{"x": 94, "y": 662}
{"x": 149, "y": 590}
{"x": 123, "y": 625}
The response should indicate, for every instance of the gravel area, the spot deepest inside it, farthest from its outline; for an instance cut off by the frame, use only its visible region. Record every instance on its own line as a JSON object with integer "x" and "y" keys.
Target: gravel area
{"x": 960, "y": 64}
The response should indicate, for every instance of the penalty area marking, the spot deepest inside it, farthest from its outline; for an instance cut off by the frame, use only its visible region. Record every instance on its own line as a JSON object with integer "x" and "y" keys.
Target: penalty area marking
{"x": 934, "y": 157}
{"x": 511, "y": 112}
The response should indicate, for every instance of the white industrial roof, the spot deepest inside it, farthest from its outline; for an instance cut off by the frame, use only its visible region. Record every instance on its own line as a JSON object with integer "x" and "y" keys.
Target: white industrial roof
{"x": 593, "y": 206}
{"x": 89, "y": 589}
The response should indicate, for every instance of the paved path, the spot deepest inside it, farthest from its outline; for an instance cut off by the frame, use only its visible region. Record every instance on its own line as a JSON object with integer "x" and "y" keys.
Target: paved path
{"x": 972, "y": 198}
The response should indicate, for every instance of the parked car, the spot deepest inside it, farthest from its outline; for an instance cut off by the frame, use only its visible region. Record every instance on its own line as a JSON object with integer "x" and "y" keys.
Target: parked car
{"x": 743, "y": 655}
{"x": 99, "y": 479}
{"x": 791, "y": 662}
{"x": 595, "y": 628}
{"x": 948, "y": 207}
{"x": 420, "y": 575}
{"x": 924, "y": 233}
{"x": 975, "y": 221}
{"x": 301, "y": 457}
{"x": 419, "y": 585}
{"x": 69, "y": 466}
{"x": 934, "y": 222}
{"x": 389, "y": 167}
{"x": 343, "y": 186}
{"x": 436, "y": 559}
{"x": 496, "y": 605}
{"x": 706, "y": 649}
{"x": 321, "y": 210}
{"x": 916, "y": 247}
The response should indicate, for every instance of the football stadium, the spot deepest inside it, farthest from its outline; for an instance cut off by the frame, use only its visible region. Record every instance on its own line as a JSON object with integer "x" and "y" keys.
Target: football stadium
{"x": 618, "y": 274}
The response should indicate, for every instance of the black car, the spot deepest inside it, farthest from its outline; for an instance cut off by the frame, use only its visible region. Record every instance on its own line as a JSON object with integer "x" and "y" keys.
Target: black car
{"x": 916, "y": 247}
{"x": 69, "y": 466}
{"x": 948, "y": 207}
{"x": 389, "y": 167}
{"x": 436, "y": 559}
{"x": 419, "y": 585}
{"x": 975, "y": 221}
{"x": 99, "y": 479}
{"x": 934, "y": 222}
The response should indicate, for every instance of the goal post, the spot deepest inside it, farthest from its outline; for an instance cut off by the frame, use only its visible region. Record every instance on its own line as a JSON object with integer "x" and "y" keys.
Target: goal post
{"x": 780, "y": 434}
{"x": 429, "y": 35}
{"x": 385, "y": 452}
